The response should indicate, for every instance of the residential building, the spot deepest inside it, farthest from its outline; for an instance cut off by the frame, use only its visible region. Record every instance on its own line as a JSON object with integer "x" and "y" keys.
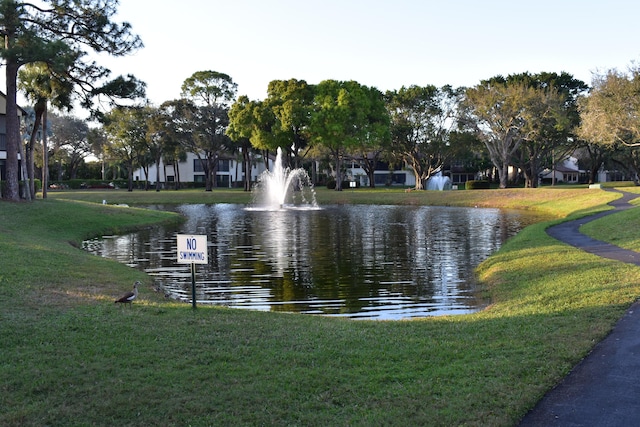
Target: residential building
{"x": 228, "y": 175}
{"x": 566, "y": 172}
{"x": 383, "y": 175}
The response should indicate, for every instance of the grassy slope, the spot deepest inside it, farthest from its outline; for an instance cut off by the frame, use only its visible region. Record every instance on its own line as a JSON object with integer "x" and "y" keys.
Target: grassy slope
{"x": 69, "y": 356}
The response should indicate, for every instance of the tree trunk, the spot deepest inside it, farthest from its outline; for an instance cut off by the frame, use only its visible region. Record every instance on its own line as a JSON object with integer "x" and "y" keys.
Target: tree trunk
{"x": 130, "y": 177}
{"x": 529, "y": 177}
{"x": 157, "y": 174}
{"x": 503, "y": 175}
{"x": 210, "y": 172}
{"x": 31, "y": 170}
{"x": 147, "y": 178}
{"x": 370, "y": 169}
{"x": 176, "y": 169}
{"x": 246, "y": 160}
{"x": 45, "y": 155}
{"x": 593, "y": 173}
{"x": 12, "y": 187}
{"x": 338, "y": 171}
{"x": 39, "y": 111}
{"x": 23, "y": 183}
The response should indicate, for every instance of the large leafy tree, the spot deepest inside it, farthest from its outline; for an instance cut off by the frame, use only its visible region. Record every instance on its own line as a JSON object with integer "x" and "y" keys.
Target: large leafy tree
{"x": 158, "y": 140}
{"x": 98, "y": 142}
{"x": 212, "y": 93}
{"x": 60, "y": 32}
{"x": 506, "y": 114}
{"x": 177, "y": 121}
{"x": 552, "y": 137}
{"x": 163, "y": 139}
{"x": 422, "y": 119}
{"x": 291, "y": 103}
{"x": 610, "y": 118}
{"x": 70, "y": 138}
{"x": 242, "y": 129}
{"x": 126, "y": 129}
{"x": 41, "y": 88}
{"x": 376, "y": 138}
{"x": 610, "y": 113}
{"x": 345, "y": 115}
{"x": 626, "y": 158}
{"x": 592, "y": 156}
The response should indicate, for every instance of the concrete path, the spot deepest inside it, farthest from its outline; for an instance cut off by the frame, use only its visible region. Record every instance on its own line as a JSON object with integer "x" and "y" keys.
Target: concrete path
{"x": 604, "y": 388}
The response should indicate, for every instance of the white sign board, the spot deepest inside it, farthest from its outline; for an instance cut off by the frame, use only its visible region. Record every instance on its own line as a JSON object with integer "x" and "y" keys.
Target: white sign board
{"x": 192, "y": 249}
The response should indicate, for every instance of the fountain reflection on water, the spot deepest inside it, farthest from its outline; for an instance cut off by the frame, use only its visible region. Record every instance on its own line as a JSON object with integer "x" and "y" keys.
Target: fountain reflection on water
{"x": 284, "y": 188}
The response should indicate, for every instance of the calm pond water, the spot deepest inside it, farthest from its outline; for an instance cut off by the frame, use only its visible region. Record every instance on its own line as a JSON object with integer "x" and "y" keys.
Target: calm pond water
{"x": 358, "y": 261}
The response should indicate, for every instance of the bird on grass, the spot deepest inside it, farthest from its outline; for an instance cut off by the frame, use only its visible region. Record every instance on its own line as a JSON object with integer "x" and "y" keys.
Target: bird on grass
{"x": 129, "y": 296}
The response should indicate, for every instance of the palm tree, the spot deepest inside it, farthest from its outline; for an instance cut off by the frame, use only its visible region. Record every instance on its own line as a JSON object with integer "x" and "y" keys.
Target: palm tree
{"x": 38, "y": 84}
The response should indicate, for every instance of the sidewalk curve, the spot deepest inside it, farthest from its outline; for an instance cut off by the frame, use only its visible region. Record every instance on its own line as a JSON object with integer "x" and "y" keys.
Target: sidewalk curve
{"x": 604, "y": 388}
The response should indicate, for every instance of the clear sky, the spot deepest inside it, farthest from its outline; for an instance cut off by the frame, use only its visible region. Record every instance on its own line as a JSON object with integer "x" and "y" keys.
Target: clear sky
{"x": 380, "y": 43}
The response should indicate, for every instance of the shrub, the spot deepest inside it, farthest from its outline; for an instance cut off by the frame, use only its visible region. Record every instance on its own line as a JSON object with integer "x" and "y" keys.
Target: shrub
{"x": 476, "y": 185}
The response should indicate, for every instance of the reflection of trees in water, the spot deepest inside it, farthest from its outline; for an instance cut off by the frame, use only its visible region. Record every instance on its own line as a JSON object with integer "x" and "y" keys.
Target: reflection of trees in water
{"x": 336, "y": 260}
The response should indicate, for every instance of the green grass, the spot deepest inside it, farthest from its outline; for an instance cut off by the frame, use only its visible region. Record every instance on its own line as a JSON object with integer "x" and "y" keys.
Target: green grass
{"x": 540, "y": 199}
{"x": 608, "y": 229}
{"x": 69, "y": 356}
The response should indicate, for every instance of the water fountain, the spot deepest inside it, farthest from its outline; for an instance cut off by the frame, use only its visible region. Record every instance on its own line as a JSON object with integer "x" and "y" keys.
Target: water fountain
{"x": 439, "y": 182}
{"x": 284, "y": 188}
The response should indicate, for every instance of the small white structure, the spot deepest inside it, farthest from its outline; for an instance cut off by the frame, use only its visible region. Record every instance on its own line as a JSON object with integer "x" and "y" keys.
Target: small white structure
{"x": 567, "y": 171}
{"x": 401, "y": 177}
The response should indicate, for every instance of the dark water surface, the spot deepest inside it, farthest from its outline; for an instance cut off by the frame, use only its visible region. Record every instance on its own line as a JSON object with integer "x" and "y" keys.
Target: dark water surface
{"x": 359, "y": 261}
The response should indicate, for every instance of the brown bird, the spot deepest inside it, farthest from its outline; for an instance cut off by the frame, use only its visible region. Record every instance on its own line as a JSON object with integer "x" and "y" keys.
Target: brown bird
{"x": 129, "y": 296}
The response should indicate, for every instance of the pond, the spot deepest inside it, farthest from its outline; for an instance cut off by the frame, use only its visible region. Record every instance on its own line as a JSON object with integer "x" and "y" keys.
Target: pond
{"x": 357, "y": 261}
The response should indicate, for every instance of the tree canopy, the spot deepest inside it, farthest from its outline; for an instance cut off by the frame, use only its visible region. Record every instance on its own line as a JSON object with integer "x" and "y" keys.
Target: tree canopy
{"x": 421, "y": 121}
{"x": 127, "y": 129}
{"x": 506, "y": 113}
{"x": 210, "y": 94}
{"x": 611, "y": 112}
{"x": 345, "y": 114}
{"x": 60, "y": 34}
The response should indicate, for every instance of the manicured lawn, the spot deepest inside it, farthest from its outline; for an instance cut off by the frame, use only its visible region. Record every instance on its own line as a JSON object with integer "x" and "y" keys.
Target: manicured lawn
{"x": 69, "y": 356}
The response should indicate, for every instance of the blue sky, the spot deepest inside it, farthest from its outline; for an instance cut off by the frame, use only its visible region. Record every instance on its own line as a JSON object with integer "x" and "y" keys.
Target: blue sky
{"x": 385, "y": 44}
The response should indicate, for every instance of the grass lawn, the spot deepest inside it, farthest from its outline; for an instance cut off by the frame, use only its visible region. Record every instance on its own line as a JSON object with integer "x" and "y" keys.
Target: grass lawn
{"x": 69, "y": 356}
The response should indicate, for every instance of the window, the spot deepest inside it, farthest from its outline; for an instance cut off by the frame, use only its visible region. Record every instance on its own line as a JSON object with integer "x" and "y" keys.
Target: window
{"x": 223, "y": 165}
{"x": 390, "y": 179}
{"x": 197, "y": 166}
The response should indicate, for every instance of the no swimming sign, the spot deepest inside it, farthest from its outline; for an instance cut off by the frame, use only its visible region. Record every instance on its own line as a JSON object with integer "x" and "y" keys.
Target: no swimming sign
{"x": 192, "y": 249}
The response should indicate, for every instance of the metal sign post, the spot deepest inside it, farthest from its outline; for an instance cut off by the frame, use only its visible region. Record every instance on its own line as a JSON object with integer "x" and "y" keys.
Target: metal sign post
{"x": 192, "y": 249}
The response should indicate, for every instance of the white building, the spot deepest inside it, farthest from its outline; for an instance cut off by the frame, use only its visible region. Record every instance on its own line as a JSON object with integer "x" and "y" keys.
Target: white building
{"x": 401, "y": 177}
{"x": 229, "y": 173}
{"x": 567, "y": 171}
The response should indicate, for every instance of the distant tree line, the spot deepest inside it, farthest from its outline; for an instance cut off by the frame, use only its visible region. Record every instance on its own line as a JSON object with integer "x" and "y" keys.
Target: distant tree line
{"x": 526, "y": 121}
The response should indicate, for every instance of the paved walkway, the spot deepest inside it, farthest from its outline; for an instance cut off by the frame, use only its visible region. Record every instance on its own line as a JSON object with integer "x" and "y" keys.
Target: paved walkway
{"x": 604, "y": 388}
